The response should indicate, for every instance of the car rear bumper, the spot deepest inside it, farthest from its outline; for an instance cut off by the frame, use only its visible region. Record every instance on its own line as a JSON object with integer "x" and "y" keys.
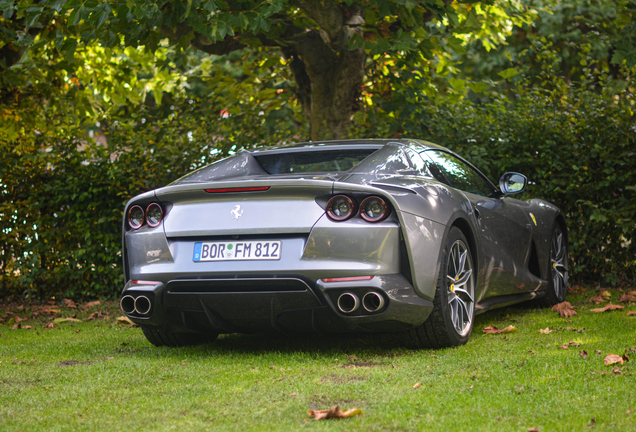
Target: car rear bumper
{"x": 287, "y": 303}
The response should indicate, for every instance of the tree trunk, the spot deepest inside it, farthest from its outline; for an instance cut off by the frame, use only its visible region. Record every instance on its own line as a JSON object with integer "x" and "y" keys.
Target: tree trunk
{"x": 328, "y": 74}
{"x": 328, "y": 85}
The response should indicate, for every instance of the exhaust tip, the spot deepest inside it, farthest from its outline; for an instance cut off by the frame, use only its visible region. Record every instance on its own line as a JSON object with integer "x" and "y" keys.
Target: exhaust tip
{"x": 127, "y": 304}
{"x": 348, "y": 302}
{"x": 142, "y": 305}
{"x": 372, "y": 301}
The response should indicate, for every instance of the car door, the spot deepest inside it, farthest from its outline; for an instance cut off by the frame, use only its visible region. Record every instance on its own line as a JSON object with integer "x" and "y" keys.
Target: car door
{"x": 505, "y": 235}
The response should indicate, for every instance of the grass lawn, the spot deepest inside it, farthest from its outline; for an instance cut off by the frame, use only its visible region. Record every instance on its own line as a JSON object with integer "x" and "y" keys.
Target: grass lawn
{"x": 99, "y": 375}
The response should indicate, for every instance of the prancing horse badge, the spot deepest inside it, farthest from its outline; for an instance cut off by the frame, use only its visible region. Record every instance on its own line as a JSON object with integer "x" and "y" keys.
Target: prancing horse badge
{"x": 237, "y": 212}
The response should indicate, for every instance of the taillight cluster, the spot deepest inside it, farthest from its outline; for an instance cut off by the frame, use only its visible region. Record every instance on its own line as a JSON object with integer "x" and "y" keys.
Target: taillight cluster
{"x": 152, "y": 216}
{"x": 371, "y": 209}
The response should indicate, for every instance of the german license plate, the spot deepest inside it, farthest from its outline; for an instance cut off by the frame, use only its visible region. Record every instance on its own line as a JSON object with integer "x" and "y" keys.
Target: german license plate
{"x": 237, "y": 251}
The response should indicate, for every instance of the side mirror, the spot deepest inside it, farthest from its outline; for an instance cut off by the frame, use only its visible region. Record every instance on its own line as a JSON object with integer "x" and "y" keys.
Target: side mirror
{"x": 512, "y": 183}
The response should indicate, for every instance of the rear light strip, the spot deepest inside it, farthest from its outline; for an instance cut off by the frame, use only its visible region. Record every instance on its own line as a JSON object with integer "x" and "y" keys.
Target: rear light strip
{"x": 238, "y": 189}
{"x": 348, "y": 279}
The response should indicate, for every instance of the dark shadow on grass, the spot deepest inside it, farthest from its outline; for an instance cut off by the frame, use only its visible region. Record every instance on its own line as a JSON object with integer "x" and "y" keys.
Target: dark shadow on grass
{"x": 362, "y": 346}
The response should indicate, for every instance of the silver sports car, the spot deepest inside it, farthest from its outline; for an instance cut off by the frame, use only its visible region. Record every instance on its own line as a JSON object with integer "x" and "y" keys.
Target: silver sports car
{"x": 342, "y": 236}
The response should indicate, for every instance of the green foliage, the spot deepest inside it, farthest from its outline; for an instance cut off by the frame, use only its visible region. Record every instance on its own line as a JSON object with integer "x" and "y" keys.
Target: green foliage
{"x": 64, "y": 179}
{"x": 603, "y": 30}
{"x": 575, "y": 141}
{"x": 579, "y": 150}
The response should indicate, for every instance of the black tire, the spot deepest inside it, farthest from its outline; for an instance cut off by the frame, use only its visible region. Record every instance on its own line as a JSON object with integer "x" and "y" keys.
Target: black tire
{"x": 439, "y": 330}
{"x": 170, "y": 339}
{"x": 558, "y": 269}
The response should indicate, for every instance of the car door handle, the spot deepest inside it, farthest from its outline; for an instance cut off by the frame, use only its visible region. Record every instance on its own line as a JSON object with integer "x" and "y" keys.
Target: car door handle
{"x": 477, "y": 214}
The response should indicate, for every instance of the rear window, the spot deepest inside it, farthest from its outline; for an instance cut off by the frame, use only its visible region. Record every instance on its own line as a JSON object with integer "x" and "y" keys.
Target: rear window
{"x": 312, "y": 161}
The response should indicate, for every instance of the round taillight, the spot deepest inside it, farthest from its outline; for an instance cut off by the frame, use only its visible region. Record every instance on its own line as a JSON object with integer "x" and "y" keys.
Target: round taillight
{"x": 154, "y": 215}
{"x": 373, "y": 209}
{"x": 340, "y": 208}
{"x": 135, "y": 217}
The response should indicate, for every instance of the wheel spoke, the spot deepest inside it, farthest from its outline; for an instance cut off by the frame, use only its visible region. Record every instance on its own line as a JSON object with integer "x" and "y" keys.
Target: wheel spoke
{"x": 462, "y": 263}
{"x": 459, "y": 324}
{"x": 465, "y": 313}
{"x": 464, "y": 278}
{"x": 452, "y": 259}
{"x": 453, "y": 311}
{"x": 560, "y": 249}
{"x": 556, "y": 280}
{"x": 463, "y": 294}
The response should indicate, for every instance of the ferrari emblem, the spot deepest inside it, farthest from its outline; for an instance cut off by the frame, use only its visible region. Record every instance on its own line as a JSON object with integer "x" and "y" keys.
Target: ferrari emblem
{"x": 237, "y": 212}
{"x": 533, "y": 219}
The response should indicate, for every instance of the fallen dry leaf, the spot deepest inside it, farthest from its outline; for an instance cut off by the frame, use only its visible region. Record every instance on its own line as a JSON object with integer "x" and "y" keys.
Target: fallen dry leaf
{"x": 95, "y": 315}
{"x": 598, "y": 352}
{"x": 50, "y": 325}
{"x": 630, "y": 313}
{"x": 632, "y": 293}
{"x": 71, "y": 320}
{"x": 626, "y": 298}
{"x": 124, "y": 320}
{"x": 495, "y": 330}
{"x": 17, "y": 326}
{"x": 577, "y": 289}
{"x": 93, "y": 303}
{"x": 417, "y": 385}
{"x": 27, "y": 327}
{"x": 533, "y": 429}
{"x": 532, "y": 352}
{"x": 597, "y": 300}
{"x": 70, "y": 304}
{"x": 569, "y": 344}
{"x": 565, "y": 309}
{"x": 611, "y": 359}
{"x": 583, "y": 354}
{"x": 49, "y": 309}
{"x": 605, "y": 293}
{"x": 608, "y": 307}
{"x": 545, "y": 330}
{"x": 616, "y": 371}
{"x": 334, "y": 413}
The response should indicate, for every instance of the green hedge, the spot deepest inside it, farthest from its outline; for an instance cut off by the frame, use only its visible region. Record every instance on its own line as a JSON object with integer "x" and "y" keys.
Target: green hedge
{"x": 576, "y": 144}
{"x": 63, "y": 191}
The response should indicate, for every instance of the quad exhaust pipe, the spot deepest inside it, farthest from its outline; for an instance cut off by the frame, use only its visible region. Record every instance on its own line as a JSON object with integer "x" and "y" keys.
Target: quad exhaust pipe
{"x": 372, "y": 301}
{"x": 348, "y": 302}
{"x": 140, "y": 305}
{"x": 127, "y": 304}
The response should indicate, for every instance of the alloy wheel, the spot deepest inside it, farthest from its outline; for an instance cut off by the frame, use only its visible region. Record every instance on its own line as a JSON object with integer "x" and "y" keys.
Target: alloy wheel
{"x": 559, "y": 264}
{"x": 460, "y": 288}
